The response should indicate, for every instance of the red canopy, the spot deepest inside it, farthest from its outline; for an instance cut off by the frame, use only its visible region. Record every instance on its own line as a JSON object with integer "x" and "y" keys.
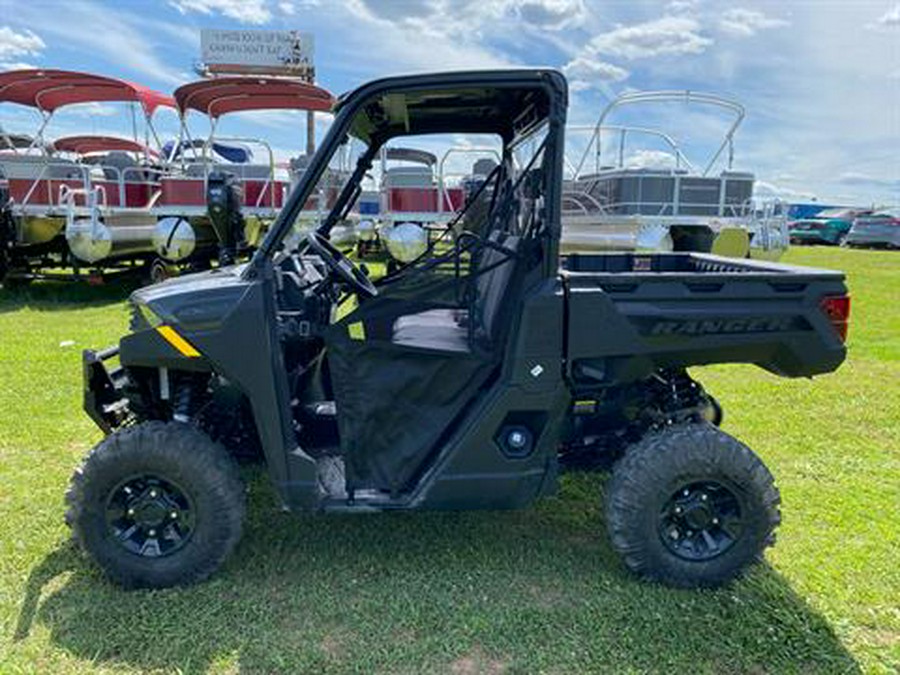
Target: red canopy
{"x": 51, "y": 89}
{"x": 84, "y": 145}
{"x": 223, "y": 95}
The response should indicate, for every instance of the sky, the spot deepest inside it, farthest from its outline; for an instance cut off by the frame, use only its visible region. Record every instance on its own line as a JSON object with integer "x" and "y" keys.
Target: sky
{"x": 819, "y": 79}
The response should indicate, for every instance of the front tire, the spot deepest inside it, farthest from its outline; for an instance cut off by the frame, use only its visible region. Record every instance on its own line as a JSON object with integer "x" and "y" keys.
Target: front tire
{"x": 691, "y": 506}
{"x": 157, "y": 505}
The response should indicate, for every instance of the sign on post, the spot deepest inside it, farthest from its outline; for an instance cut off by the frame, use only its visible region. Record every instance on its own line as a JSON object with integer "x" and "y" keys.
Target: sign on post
{"x": 276, "y": 52}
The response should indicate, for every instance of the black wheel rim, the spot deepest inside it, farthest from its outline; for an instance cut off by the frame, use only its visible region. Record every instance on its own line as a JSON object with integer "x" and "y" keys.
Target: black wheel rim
{"x": 701, "y": 520}
{"x": 149, "y": 516}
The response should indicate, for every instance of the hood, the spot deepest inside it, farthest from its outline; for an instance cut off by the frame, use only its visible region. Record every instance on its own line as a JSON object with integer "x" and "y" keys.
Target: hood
{"x": 194, "y": 301}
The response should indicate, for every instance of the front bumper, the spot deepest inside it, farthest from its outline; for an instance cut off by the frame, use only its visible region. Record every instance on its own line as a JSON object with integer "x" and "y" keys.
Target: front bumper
{"x": 104, "y": 400}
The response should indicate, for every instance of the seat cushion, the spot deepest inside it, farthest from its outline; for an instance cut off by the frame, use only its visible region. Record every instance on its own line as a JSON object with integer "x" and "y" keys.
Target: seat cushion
{"x": 441, "y": 329}
{"x": 441, "y": 317}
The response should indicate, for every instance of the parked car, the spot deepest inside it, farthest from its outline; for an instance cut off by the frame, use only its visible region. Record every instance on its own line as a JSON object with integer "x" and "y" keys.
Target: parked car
{"x": 878, "y": 229}
{"x": 827, "y": 227}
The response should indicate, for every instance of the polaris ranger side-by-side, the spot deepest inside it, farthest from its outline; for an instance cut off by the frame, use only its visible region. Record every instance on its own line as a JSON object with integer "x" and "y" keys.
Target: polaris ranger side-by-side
{"x": 466, "y": 378}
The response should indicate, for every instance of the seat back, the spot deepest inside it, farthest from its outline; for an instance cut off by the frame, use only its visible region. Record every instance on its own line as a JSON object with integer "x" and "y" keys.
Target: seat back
{"x": 494, "y": 281}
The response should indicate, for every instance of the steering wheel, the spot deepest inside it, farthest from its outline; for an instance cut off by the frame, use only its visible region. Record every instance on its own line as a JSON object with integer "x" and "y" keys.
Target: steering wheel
{"x": 341, "y": 265}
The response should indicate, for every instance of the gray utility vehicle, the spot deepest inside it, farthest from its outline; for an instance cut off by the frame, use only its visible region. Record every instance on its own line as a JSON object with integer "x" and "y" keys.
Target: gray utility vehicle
{"x": 465, "y": 379}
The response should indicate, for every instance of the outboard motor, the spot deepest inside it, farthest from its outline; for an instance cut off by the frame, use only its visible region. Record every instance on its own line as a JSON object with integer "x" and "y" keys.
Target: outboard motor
{"x": 223, "y": 203}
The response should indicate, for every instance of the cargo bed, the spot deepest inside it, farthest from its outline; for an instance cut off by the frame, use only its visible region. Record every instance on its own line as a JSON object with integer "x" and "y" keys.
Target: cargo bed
{"x": 629, "y": 314}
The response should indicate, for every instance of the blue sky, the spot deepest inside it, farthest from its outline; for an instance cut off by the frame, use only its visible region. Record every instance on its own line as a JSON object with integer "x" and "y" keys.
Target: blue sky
{"x": 820, "y": 79}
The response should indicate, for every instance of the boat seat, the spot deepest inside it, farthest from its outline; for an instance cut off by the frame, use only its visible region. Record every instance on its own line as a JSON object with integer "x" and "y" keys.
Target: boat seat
{"x": 448, "y": 329}
{"x": 409, "y": 177}
{"x": 114, "y": 164}
{"x": 240, "y": 171}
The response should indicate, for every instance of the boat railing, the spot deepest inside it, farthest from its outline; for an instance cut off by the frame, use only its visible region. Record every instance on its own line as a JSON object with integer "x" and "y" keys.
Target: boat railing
{"x": 583, "y": 203}
{"x": 42, "y": 175}
{"x": 121, "y": 177}
{"x": 268, "y": 185}
{"x": 646, "y": 97}
{"x": 68, "y": 195}
{"x": 663, "y": 192}
{"x": 681, "y": 161}
{"x": 83, "y": 173}
{"x": 443, "y": 175}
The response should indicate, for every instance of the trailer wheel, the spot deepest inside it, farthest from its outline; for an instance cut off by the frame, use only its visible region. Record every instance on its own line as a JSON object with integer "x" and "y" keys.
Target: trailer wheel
{"x": 158, "y": 271}
{"x": 157, "y": 505}
{"x": 691, "y": 506}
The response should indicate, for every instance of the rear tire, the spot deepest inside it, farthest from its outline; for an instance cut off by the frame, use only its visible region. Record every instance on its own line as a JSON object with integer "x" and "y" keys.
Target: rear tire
{"x": 157, "y": 505}
{"x": 691, "y": 506}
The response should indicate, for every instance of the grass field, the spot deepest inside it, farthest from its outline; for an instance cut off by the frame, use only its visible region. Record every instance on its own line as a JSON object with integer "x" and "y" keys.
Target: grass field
{"x": 520, "y": 592}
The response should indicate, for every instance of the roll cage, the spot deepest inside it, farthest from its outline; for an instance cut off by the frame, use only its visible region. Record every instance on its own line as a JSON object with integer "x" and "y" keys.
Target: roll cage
{"x": 510, "y": 104}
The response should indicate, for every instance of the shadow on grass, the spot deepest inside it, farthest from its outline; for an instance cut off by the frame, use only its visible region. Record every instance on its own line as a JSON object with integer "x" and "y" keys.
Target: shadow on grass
{"x": 51, "y": 295}
{"x": 462, "y": 592}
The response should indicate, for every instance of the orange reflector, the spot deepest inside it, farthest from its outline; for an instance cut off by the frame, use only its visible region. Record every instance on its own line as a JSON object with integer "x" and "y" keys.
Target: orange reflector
{"x": 174, "y": 339}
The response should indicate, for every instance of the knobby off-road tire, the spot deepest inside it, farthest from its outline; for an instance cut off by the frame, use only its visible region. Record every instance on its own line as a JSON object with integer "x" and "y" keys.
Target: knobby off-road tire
{"x": 157, "y": 505}
{"x": 691, "y": 506}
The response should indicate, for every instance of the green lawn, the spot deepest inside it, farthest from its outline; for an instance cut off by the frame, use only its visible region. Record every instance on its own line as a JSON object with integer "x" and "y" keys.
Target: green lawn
{"x": 531, "y": 591}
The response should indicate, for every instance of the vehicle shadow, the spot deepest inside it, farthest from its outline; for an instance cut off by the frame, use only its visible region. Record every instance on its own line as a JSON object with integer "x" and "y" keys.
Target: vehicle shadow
{"x": 54, "y": 295}
{"x": 455, "y": 592}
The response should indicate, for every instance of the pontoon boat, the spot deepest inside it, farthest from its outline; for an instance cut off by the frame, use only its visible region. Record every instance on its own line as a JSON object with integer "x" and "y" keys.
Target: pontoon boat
{"x": 610, "y": 204}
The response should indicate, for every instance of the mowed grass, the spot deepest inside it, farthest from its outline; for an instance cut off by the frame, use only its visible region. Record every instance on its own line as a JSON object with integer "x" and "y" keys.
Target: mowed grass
{"x": 537, "y": 590}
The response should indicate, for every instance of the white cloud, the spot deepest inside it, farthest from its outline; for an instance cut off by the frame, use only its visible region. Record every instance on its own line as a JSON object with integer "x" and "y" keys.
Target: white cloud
{"x": 585, "y": 73}
{"x": 473, "y": 19}
{"x": 245, "y": 11}
{"x": 15, "y": 65}
{"x": 763, "y": 189}
{"x": 650, "y": 159}
{"x": 668, "y": 35}
{"x": 127, "y": 38}
{"x": 19, "y": 44}
{"x": 747, "y": 22}
{"x": 415, "y": 36}
{"x": 682, "y": 6}
{"x": 891, "y": 17}
{"x": 92, "y": 109}
{"x": 864, "y": 179}
{"x": 290, "y": 8}
{"x": 551, "y": 14}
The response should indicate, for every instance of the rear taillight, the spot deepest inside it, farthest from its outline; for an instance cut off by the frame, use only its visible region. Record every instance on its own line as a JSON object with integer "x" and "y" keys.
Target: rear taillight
{"x": 837, "y": 309}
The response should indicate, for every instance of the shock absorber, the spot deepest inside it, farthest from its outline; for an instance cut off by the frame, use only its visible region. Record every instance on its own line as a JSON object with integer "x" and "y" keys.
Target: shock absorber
{"x": 188, "y": 394}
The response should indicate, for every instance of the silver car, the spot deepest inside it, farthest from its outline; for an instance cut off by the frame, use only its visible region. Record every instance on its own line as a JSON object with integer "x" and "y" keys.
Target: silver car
{"x": 881, "y": 229}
